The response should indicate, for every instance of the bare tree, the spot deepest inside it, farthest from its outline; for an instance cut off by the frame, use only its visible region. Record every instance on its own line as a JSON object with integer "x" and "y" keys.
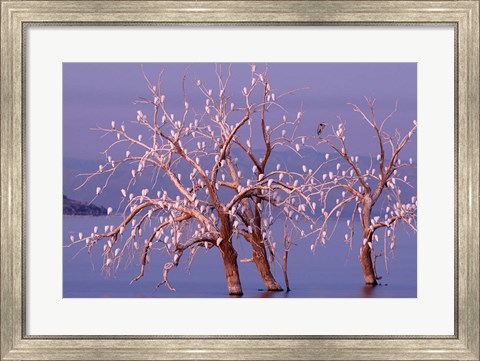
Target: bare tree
{"x": 197, "y": 154}
{"x": 374, "y": 193}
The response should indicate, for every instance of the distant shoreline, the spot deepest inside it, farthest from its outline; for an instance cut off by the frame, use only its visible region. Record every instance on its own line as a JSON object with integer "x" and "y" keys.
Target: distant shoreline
{"x": 73, "y": 207}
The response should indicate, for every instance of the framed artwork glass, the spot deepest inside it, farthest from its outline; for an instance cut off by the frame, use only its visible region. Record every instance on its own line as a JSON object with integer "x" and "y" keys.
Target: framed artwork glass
{"x": 145, "y": 212}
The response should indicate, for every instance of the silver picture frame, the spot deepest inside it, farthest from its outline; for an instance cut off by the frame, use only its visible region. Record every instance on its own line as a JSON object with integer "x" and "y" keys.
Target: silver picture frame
{"x": 16, "y": 16}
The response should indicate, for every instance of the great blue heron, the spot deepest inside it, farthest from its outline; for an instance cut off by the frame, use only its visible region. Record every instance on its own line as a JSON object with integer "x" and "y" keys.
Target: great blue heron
{"x": 320, "y": 128}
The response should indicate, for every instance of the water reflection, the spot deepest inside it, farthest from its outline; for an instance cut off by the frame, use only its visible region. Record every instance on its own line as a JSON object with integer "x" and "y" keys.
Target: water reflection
{"x": 367, "y": 290}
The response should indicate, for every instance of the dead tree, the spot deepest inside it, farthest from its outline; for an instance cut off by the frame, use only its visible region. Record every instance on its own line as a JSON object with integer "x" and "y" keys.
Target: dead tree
{"x": 197, "y": 152}
{"x": 372, "y": 192}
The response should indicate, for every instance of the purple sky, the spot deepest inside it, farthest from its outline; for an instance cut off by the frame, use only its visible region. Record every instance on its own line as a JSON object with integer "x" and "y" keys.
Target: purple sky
{"x": 97, "y": 93}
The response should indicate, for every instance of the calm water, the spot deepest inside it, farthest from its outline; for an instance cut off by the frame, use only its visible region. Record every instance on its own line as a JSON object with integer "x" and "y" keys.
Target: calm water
{"x": 332, "y": 272}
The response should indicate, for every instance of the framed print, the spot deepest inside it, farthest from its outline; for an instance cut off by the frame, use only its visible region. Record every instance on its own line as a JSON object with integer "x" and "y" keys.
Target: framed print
{"x": 224, "y": 180}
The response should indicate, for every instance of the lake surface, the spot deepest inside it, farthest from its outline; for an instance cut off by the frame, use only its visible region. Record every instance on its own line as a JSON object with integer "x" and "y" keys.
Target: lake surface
{"x": 333, "y": 272}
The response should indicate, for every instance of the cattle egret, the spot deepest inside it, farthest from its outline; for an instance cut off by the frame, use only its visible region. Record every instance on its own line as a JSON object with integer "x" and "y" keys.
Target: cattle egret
{"x": 113, "y": 124}
{"x": 109, "y": 261}
{"x": 140, "y": 137}
{"x": 327, "y": 156}
{"x": 312, "y": 247}
{"x": 109, "y": 210}
{"x": 248, "y": 143}
{"x": 127, "y": 154}
{"x": 297, "y": 147}
{"x": 124, "y": 192}
{"x": 98, "y": 190}
{"x": 304, "y": 168}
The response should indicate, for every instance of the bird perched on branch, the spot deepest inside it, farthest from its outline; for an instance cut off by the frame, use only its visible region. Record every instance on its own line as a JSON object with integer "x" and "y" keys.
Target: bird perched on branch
{"x": 320, "y": 128}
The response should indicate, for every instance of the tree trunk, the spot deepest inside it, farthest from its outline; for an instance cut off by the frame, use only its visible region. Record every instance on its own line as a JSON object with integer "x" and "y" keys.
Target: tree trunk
{"x": 365, "y": 257}
{"x": 367, "y": 265}
{"x": 261, "y": 261}
{"x": 229, "y": 256}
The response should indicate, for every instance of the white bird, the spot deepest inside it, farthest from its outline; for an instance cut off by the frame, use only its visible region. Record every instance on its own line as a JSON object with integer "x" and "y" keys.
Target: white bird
{"x": 109, "y": 210}
{"x": 98, "y": 190}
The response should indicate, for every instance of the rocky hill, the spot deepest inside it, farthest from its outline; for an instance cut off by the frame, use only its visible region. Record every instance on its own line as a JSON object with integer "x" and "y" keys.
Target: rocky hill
{"x": 78, "y": 208}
